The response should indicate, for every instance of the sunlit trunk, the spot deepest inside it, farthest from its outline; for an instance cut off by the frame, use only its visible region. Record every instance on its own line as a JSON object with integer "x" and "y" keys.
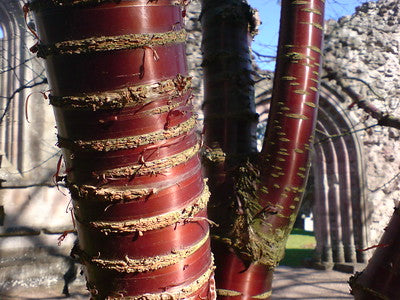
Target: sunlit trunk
{"x": 261, "y": 196}
{"x": 122, "y": 102}
{"x": 285, "y": 157}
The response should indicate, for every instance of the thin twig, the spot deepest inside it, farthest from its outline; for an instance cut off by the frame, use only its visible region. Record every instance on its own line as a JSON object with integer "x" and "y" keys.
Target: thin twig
{"x": 383, "y": 118}
{"x": 333, "y": 136}
{"x": 385, "y": 184}
{"x": 258, "y": 54}
{"x": 50, "y": 185}
{"x": 18, "y": 90}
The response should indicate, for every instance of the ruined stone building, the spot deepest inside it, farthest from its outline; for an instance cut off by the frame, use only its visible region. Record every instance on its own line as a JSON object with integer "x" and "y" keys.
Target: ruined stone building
{"x": 356, "y": 171}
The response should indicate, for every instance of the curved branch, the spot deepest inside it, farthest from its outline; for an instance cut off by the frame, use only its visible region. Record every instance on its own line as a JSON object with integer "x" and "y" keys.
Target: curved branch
{"x": 18, "y": 90}
{"x": 383, "y": 118}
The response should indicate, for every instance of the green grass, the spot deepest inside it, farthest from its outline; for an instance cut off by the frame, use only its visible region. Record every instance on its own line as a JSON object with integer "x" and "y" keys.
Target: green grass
{"x": 299, "y": 247}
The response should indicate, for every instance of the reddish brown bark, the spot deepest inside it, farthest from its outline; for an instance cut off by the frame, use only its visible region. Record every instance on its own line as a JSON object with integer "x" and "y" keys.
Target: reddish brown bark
{"x": 121, "y": 97}
{"x": 381, "y": 278}
{"x": 256, "y": 200}
{"x": 229, "y": 125}
{"x": 289, "y": 135}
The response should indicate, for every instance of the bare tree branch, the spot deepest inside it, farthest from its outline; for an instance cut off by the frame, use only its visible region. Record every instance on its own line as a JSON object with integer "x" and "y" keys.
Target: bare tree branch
{"x": 383, "y": 118}
{"x": 385, "y": 184}
{"x": 11, "y": 68}
{"x": 366, "y": 84}
{"x": 18, "y": 90}
{"x": 258, "y": 54}
{"x": 31, "y": 185}
{"x": 334, "y": 136}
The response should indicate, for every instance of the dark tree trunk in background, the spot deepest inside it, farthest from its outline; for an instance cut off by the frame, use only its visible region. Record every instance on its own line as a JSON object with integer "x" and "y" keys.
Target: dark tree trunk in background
{"x": 255, "y": 199}
{"x": 381, "y": 278}
{"x": 122, "y": 101}
{"x": 229, "y": 125}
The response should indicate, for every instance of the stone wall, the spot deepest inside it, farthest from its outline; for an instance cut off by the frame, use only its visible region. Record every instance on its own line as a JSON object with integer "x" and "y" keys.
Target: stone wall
{"x": 193, "y": 50}
{"x": 33, "y": 213}
{"x": 366, "y": 46}
{"x": 32, "y": 207}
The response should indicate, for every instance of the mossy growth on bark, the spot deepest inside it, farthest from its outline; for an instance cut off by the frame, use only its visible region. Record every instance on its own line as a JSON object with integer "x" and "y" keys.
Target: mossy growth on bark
{"x": 244, "y": 223}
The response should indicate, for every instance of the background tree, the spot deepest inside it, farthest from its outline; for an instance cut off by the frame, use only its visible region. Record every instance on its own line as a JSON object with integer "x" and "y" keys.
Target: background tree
{"x": 382, "y": 272}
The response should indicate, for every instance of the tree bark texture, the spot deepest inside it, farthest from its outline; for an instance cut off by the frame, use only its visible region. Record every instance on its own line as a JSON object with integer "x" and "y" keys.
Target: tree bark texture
{"x": 230, "y": 132}
{"x": 381, "y": 278}
{"x": 285, "y": 156}
{"x": 122, "y": 101}
{"x": 255, "y": 198}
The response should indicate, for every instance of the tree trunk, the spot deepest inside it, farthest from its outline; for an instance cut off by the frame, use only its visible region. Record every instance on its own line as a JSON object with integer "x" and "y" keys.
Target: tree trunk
{"x": 285, "y": 157}
{"x": 381, "y": 278}
{"x": 122, "y": 102}
{"x": 255, "y": 200}
{"x": 230, "y": 129}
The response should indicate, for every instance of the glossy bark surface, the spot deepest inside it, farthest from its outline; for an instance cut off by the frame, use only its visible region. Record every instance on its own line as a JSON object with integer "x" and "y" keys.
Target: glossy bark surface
{"x": 238, "y": 280}
{"x": 289, "y": 135}
{"x": 230, "y": 118}
{"x": 122, "y": 101}
{"x": 229, "y": 126}
{"x": 256, "y": 200}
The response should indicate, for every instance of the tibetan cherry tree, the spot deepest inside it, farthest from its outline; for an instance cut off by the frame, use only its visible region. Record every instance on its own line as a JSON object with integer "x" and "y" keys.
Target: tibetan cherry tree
{"x": 122, "y": 101}
{"x": 121, "y": 97}
{"x": 255, "y": 196}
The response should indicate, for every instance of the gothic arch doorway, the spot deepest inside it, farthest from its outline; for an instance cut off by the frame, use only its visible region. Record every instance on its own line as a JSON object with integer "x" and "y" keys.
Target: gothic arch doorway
{"x": 29, "y": 202}
{"x": 340, "y": 207}
{"x": 12, "y": 76}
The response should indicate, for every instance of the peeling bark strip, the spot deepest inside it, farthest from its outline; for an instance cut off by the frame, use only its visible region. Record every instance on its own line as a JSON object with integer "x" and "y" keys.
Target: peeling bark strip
{"x": 133, "y": 265}
{"x": 123, "y": 113}
{"x": 230, "y": 293}
{"x": 184, "y": 215}
{"x": 129, "y": 142}
{"x": 152, "y": 167}
{"x": 122, "y": 194}
{"x": 127, "y": 97}
{"x": 177, "y": 292}
{"x": 112, "y": 43}
{"x": 89, "y": 192}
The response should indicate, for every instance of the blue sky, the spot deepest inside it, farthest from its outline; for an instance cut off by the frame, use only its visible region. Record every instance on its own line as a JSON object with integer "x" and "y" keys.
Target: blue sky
{"x": 265, "y": 42}
{"x": 267, "y": 39}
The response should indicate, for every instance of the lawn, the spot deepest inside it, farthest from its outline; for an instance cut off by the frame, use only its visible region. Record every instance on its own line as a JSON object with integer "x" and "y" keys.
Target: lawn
{"x": 300, "y": 246}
